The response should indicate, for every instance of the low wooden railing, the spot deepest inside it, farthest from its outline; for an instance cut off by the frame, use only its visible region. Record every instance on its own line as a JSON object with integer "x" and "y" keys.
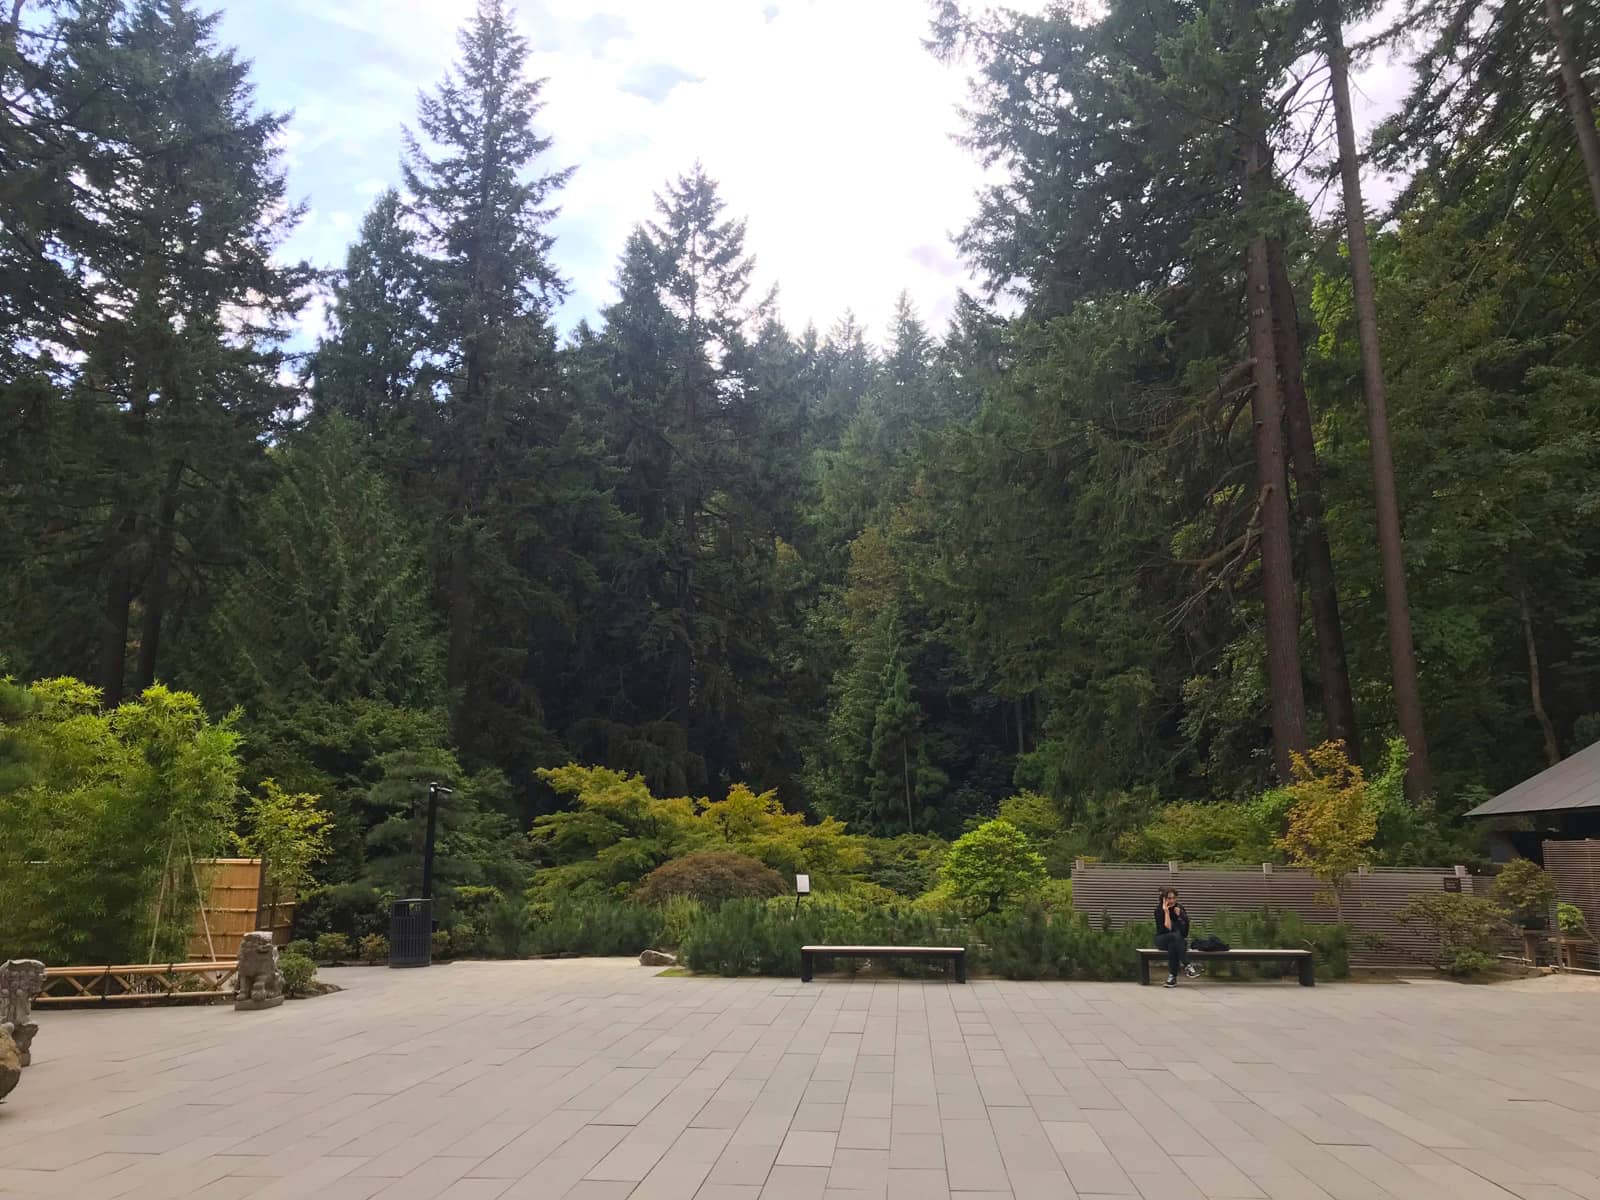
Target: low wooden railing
{"x": 139, "y": 983}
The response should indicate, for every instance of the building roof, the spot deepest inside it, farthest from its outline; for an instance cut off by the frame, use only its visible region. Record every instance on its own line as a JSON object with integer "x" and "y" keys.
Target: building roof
{"x": 1573, "y": 783}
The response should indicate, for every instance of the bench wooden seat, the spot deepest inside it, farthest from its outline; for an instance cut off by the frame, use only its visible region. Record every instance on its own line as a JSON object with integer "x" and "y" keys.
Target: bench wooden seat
{"x": 1304, "y": 960}
{"x": 956, "y": 954}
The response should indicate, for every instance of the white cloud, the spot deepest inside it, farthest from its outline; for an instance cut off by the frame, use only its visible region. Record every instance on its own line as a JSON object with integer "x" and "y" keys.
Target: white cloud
{"x": 828, "y": 124}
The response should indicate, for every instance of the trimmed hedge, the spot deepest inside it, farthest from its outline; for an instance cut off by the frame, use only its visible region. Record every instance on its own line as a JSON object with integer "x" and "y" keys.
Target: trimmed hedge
{"x": 597, "y": 928}
{"x": 754, "y": 938}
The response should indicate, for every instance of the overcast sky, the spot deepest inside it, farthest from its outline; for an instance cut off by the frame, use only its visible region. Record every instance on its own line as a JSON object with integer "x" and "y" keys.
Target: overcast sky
{"x": 826, "y": 122}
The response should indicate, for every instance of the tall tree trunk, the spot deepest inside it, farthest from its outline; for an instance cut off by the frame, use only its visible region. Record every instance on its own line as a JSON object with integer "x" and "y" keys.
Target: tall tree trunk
{"x": 683, "y": 661}
{"x": 905, "y": 768}
{"x": 458, "y": 651}
{"x": 114, "y": 617}
{"x": 1579, "y": 103}
{"x": 1287, "y": 695}
{"x": 1552, "y": 748}
{"x": 155, "y": 589}
{"x": 1338, "y": 705}
{"x": 1402, "y": 655}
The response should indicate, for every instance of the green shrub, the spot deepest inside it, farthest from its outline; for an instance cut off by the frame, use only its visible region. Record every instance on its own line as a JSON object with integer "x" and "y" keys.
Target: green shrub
{"x": 465, "y": 940}
{"x": 1467, "y": 930}
{"x": 993, "y": 868}
{"x": 1277, "y": 929}
{"x": 299, "y": 973}
{"x": 301, "y": 946}
{"x": 907, "y": 865}
{"x": 1218, "y": 832}
{"x": 353, "y": 909}
{"x": 1028, "y": 943}
{"x": 374, "y": 949}
{"x": 469, "y": 906}
{"x": 746, "y": 937}
{"x": 505, "y": 929}
{"x": 677, "y": 915}
{"x": 440, "y": 943}
{"x": 862, "y": 896}
{"x": 1571, "y": 920}
{"x": 597, "y": 928}
{"x": 712, "y": 877}
{"x": 1526, "y": 889}
{"x": 334, "y": 948}
{"x": 1057, "y": 896}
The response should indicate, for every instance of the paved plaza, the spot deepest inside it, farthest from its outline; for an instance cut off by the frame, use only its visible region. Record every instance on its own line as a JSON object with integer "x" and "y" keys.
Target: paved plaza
{"x": 597, "y": 1080}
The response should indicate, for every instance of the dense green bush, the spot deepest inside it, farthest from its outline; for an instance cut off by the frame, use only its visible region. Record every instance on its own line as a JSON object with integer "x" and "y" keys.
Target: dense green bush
{"x": 334, "y": 948}
{"x": 1467, "y": 930}
{"x": 299, "y": 973}
{"x": 1028, "y": 943}
{"x": 1570, "y": 918}
{"x": 712, "y": 877}
{"x": 353, "y": 909}
{"x": 596, "y": 927}
{"x": 748, "y": 937}
{"x": 374, "y": 949}
{"x": 992, "y": 868}
{"x": 1527, "y": 890}
{"x": 678, "y": 914}
{"x": 99, "y": 812}
{"x": 505, "y": 930}
{"x": 1275, "y": 929}
{"x": 907, "y": 865}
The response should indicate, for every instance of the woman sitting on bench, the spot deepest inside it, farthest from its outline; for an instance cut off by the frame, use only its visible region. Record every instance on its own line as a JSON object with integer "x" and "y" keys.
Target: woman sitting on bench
{"x": 1172, "y": 933}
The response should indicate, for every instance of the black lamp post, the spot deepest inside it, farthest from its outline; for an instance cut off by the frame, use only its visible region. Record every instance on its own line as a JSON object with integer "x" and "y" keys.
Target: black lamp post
{"x": 435, "y": 790}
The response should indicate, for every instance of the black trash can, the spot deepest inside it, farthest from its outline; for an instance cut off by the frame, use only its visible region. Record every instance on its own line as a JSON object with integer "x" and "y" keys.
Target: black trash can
{"x": 411, "y": 933}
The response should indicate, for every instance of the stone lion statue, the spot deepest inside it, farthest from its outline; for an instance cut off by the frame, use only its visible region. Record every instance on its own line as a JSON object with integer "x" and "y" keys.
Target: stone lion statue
{"x": 260, "y": 981}
{"x": 21, "y": 979}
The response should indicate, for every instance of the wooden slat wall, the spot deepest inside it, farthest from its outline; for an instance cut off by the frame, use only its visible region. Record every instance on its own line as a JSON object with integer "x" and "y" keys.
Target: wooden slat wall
{"x": 1576, "y": 866}
{"x": 1128, "y": 892}
{"x": 232, "y": 886}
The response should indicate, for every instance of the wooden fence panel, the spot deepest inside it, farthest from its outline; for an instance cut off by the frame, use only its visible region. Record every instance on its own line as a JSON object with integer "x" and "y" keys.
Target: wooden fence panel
{"x": 232, "y": 892}
{"x": 1126, "y": 892}
{"x": 1576, "y": 866}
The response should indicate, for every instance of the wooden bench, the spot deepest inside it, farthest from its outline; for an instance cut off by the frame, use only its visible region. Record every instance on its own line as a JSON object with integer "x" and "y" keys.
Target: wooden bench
{"x": 956, "y": 954}
{"x": 1303, "y": 960}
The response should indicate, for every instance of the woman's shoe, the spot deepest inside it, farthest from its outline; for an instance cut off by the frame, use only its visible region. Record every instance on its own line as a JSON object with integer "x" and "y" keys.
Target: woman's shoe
{"x": 1172, "y": 981}
{"x": 1192, "y": 971}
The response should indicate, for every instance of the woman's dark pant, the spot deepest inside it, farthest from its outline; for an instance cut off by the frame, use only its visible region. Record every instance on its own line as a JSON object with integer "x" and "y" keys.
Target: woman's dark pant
{"x": 1177, "y": 950}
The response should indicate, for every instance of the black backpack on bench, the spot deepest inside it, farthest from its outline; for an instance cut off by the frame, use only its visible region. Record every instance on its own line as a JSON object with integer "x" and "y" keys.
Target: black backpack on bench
{"x": 1210, "y": 944}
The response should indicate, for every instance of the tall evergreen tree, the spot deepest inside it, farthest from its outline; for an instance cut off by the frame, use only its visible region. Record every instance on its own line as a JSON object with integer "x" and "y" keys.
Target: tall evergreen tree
{"x": 175, "y": 338}
{"x": 1402, "y": 655}
{"x": 370, "y": 363}
{"x": 516, "y": 488}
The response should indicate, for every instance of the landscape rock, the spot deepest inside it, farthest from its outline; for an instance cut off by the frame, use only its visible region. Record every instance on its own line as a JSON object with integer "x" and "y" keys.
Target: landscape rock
{"x": 657, "y": 958}
{"x": 10, "y": 1063}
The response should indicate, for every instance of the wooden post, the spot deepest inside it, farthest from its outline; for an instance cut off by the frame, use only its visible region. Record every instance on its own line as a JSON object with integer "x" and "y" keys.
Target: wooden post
{"x": 261, "y": 893}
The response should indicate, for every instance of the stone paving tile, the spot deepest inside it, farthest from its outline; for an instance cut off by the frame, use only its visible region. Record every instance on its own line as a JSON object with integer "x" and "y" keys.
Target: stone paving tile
{"x": 595, "y": 1080}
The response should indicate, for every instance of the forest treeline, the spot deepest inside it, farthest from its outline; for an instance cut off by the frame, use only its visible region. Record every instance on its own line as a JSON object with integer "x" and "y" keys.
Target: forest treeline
{"x": 1220, "y": 479}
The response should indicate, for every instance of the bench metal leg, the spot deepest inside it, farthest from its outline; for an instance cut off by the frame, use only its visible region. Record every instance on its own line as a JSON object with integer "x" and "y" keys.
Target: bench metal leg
{"x": 805, "y": 966}
{"x": 1144, "y": 970}
{"x": 1308, "y": 973}
{"x": 961, "y": 968}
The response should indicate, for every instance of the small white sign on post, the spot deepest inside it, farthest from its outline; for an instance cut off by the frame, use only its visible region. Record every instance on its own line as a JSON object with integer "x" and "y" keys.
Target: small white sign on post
{"x": 802, "y": 885}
